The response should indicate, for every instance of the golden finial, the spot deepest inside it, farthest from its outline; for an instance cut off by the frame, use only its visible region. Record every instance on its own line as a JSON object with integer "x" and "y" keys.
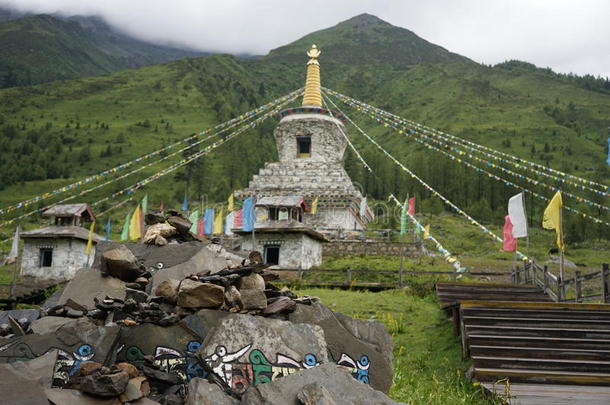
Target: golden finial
{"x": 313, "y": 95}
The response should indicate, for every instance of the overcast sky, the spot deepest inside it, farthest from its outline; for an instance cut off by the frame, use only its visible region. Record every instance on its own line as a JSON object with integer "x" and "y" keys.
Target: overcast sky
{"x": 568, "y": 36}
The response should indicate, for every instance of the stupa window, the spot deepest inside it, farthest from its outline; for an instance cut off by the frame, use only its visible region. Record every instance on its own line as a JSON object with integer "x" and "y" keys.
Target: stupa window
{"x": 304, "y": 146}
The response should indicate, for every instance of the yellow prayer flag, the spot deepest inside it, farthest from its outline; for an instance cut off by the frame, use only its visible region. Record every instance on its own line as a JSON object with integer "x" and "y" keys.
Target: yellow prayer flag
{"x": 90, "y": 241}
{"x": 231, "y": 203}
{"x": 135, "y": 231}
{"x": 314, "y": 206}
{"x": 552, "y": 218}
{"x": 427, "y": 231}
{"x": 218, "y": 222}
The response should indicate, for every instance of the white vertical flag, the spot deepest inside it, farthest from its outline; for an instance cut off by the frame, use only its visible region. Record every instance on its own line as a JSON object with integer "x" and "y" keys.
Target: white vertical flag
{"x": 14, "y": 253}
{"x": 363, "y": 207}
{"x": 516, "y": 212}
{"x": 229, "y": 223}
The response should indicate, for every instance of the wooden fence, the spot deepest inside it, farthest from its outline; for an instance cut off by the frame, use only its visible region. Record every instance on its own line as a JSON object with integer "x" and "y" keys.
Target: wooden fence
{"x": 397, "y": 282}
{"x": 573, "y": 286}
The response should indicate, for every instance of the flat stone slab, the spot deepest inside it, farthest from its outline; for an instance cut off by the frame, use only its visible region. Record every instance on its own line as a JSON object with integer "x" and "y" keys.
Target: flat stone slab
{"x": 173, "y": 348}
{"x": 77, "y": 341}
{"x": 246, "y": 350}
{"x": 338, "y": 383}
{"x": 88, "y": 284}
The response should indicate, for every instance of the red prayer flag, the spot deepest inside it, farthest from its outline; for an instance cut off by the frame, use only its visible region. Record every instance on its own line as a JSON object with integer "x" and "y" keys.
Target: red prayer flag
{"x": 238, "y": 219}
{"x": 510, "y": 243}
{"x": 161, "y": 208}
{"x": 201, "y": 227}
{"x": 411, "y": 206}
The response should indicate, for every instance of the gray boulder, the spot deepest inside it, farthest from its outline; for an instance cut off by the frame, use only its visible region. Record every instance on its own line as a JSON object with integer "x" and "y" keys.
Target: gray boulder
{"x": 253, "y": 299}
{"x": 272, "y": 348}
{"x": 340, "y": 388}
{"x": 120, "y": 263}
{"x": 195, "y": 294}
{"x": 105, "y": 385}
{"x": 363, "y": 347}
{"x": 89, "y": 284}
{"x": 202, "y": 392}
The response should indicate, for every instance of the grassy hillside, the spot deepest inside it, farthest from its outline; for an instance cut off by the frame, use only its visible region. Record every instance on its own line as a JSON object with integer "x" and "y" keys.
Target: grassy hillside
{"x": 42, "y": 48}
{"x": 55, "y": 133}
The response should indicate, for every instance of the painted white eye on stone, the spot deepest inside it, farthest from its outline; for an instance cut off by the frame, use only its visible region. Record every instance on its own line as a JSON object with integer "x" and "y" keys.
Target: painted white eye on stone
{"x": 159, "y": 265}
{"x": 221, "y": 350}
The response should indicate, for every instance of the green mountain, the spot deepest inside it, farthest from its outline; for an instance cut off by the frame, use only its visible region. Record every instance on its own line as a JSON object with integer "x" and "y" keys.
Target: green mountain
{"x": 54, "y": 133}
{"x": 42, "y": 48}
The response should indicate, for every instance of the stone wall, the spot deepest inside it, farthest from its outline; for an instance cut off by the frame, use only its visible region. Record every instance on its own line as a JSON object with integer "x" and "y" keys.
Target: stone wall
{"x": 68, "y": 256}
{"x": 359, "y": 248}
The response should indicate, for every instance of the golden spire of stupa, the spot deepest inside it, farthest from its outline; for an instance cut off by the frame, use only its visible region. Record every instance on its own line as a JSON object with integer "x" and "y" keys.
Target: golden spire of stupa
{"x": 313, "y": 95}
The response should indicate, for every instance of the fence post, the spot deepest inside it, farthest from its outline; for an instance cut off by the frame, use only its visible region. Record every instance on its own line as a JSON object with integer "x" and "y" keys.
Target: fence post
{"x": 605, "y": 282}
{"x": 577, "y": 285}
{"x": 348, "y": 276}
{"x": 545, "y": 278}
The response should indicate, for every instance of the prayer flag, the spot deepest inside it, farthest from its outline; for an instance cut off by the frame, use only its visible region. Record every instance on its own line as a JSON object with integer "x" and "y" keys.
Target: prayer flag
{"x": 412, "y": 206}
{"x": 231, "y": 203}
{"x": 363, "y": 208}
{"x": 90, "y": 240}
{"x": 200, "y": 227}
{"x": 403, "y": 217}
{"x": 14, "y": 253}
{"x": 162, "y": 208}
{"x": 185, "y": 204}
{"x": 208, "y": 225}
{"x": 509, "y": 243}
{"x": 552, "y": 218}
{"x": 314, "y": 206}
{"x": 134, "y": 225}
{"x": 145, "y": 204}
{"x": 229, "y": 223}
{"x": 248, "y": 215}
{"x": 218, "y": 222}
{"x": 238, "y": 219}
{"x": 107, "y": 229}
{"x": 516, "y": 212}
{"x": 427, "y": 231}
{"x": 194, "y": 217}
{"x": 125, "y": 231}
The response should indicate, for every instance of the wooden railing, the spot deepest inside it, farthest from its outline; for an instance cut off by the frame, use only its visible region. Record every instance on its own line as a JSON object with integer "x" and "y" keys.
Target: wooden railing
{"x": 558, "y": 289}
{"x": 396, "y": 281}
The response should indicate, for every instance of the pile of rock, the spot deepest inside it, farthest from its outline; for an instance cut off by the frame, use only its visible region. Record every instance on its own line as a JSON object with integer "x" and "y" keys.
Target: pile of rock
{"x": 201, "y": 326}
{"x": 164, "y": 228}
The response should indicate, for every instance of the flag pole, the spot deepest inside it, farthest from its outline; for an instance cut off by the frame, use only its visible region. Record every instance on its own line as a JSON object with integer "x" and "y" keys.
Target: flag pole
{"x": 253, "y": 223}
{"x": 402, "y": 253}
{"x": 561, "y": 258}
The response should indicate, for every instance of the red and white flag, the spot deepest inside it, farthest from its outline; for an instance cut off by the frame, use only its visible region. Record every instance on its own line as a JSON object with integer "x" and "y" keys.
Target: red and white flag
{"x": 412, "y": 206}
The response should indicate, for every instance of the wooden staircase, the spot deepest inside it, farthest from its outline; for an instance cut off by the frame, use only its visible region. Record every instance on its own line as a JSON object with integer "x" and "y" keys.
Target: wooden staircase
{"x": 548, "y": 353}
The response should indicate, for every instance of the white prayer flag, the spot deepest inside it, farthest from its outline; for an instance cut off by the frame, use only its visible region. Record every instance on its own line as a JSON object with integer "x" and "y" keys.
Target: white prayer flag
{"x": 14, "y": 253}
{"x": 516, "y": 212}
{"x": 229, "y": 223}
{"x": 363, "y": 207}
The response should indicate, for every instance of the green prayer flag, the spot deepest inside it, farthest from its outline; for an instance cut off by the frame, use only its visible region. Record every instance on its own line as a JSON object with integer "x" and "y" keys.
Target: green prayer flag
{"x": 194, "y": 218}
{"x": 125, "y": 231}
{"x": 403, "y": 216}
{"x": 144, "y": 205}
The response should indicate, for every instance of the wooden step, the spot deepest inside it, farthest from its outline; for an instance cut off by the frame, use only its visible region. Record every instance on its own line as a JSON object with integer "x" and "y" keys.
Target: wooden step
{"x": 593, "y": 366}
{"x": 539, "y": 394}
{"x": 537, "y": 332}
{"x": 541, "y": 313}
{"x": 542, "y": 322}
{"x": 540, "y": 352}
{"x": 543, "y": 376}
{"x": 538, "y": 341}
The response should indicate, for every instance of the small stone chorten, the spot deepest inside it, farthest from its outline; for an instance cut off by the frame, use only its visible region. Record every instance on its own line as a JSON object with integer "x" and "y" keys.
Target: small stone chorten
{"x": 311, "y": 142}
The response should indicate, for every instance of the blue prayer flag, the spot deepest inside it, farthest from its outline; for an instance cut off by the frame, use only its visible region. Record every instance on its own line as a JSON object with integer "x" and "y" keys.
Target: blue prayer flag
{"x": 108, "y": 229}
{"x": 208, "y": 221}
{"x": 185, "y": 204}
{"x": 248, "y": 216}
